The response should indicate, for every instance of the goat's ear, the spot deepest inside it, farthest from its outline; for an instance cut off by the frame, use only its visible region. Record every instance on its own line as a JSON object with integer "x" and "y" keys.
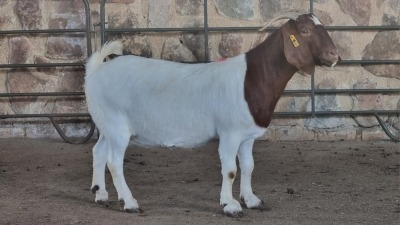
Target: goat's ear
{"x": 296, "y": 49}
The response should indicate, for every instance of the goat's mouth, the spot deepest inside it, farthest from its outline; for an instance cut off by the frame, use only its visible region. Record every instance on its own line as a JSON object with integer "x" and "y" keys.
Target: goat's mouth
{"x": 331, "y": 61}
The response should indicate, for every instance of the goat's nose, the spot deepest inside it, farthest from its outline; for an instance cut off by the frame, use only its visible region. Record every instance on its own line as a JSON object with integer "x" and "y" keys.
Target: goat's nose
{"x": 334, "y": 55}
{"x": 334, "y": 52}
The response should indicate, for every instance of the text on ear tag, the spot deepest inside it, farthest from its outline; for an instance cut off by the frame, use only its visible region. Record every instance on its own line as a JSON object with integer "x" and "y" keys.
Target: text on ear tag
{"x": 294, "y": 41}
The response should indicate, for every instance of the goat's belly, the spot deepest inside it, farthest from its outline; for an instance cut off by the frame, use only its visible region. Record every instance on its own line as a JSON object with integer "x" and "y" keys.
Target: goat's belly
{"x": 177, "y": 142}
{"x": 162, "y": 137}
{"x": 187, "y": 133}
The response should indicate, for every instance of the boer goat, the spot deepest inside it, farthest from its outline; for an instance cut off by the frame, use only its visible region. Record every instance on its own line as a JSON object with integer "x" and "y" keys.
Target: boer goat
{"x": 152, "y": 102}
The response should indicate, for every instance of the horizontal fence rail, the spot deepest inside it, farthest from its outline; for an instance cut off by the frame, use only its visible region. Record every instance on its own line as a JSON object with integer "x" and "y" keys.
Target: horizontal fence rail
{"x": 38, "y": 65}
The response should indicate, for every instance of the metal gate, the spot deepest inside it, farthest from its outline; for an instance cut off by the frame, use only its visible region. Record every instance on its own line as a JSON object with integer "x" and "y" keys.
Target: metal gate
{"x": 52, "y": 116}
{"x": 206, "y": 30}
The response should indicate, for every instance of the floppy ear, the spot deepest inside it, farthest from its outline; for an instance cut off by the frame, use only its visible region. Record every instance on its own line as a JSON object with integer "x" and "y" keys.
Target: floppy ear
{"x": 296, "y": 49}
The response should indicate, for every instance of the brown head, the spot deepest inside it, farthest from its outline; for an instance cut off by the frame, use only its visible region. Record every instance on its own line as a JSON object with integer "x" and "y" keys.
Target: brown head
{"x": 307, "y": 43}
{"x": 300, "y": 44}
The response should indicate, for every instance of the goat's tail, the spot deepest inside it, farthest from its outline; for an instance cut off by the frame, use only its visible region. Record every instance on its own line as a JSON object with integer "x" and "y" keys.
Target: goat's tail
{"x": 95, "y": 60}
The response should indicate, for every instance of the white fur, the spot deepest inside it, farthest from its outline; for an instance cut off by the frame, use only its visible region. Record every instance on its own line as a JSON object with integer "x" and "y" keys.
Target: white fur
{"x": 160, "y": 103}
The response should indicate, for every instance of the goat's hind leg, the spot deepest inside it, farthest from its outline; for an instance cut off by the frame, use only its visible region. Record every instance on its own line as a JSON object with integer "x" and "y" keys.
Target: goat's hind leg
{"x": 115, "y": 162}
{"x": 100, "y": 151}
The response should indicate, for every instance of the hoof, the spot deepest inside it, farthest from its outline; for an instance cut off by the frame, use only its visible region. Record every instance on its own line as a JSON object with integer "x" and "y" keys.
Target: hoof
{"x": 232, "y": 210}
{"x": 261, "y": 206}
{"x": 234, "y": 214}
{"x": 253, "y": 202}
{"x": 102, "y": 202}
{"x": 132, "y": 210}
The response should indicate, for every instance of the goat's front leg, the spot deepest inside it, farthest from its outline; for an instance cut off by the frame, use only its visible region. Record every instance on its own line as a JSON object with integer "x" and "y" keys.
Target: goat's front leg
{"x": 228, "y": 148}
{"x": 246, "y": 167}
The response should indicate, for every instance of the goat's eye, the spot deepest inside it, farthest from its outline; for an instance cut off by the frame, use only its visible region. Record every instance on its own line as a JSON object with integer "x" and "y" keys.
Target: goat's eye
{"x": 305, "y": 32}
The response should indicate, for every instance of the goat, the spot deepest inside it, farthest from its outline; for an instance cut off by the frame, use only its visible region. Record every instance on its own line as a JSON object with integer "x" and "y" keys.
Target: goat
{"x": 153, "y": 102}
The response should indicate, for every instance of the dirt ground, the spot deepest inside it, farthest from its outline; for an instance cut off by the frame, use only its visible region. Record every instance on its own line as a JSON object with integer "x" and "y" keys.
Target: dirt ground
{"x": 48, "y": 182}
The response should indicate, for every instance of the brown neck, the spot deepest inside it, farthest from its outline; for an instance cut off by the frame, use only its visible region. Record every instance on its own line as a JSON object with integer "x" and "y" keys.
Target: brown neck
{"x": 267, "y": 75}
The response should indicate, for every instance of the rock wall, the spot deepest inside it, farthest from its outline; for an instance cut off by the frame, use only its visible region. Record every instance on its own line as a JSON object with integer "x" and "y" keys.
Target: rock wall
{"x": 47, "y": 14}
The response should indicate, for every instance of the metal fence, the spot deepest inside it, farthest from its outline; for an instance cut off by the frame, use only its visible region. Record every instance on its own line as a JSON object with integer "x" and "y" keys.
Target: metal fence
{"x": 52, "y": 116}
{"x": 206, "y": 30}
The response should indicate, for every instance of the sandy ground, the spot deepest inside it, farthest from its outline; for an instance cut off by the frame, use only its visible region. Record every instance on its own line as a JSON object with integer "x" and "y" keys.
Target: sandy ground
{"x": 48, "y": 182}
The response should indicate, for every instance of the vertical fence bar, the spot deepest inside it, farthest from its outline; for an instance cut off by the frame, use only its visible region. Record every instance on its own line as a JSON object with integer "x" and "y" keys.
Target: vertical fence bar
{"x": 312, "y": 75}
{"x": 206, "y": 52}
{"x": 102, "y": 22}
{"x": 313, "y": 94}
{"x": 88, "y": 28}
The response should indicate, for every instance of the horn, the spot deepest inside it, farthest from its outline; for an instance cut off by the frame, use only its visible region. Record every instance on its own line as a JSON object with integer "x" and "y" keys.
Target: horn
{"x": 288, "y": 15}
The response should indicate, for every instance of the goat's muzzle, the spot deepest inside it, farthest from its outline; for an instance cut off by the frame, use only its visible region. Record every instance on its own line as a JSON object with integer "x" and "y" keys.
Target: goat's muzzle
{"x": 330, "y": 58}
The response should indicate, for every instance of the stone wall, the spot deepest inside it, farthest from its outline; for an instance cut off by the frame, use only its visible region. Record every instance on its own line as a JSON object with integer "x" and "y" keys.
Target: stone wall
{"x": 47, "y": 14}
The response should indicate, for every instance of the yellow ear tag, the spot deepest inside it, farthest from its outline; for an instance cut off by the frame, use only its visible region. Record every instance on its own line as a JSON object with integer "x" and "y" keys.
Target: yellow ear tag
{"x": 294, "y": 41}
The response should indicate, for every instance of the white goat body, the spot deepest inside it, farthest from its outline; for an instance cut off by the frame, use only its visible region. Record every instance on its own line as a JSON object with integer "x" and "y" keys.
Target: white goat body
{"x": 163, "y": 103}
